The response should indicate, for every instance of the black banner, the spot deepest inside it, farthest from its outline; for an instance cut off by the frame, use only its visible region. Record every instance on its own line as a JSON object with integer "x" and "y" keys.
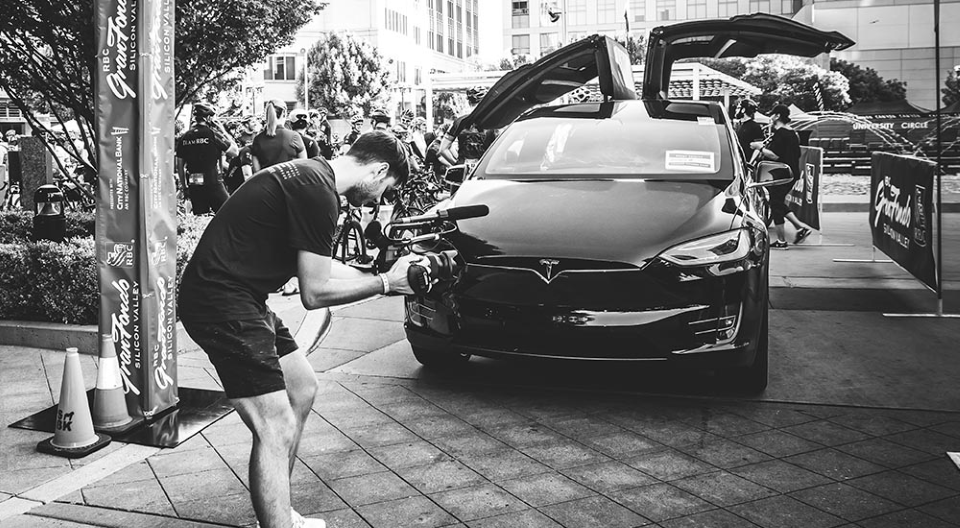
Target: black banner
{"x": 901, "y": 215}
{"x": 804, "y": 198}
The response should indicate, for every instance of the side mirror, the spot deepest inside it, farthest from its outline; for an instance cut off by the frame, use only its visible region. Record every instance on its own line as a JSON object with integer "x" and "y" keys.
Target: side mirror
{"x": 455, "y": 174}
{"x": 771, "y": 173}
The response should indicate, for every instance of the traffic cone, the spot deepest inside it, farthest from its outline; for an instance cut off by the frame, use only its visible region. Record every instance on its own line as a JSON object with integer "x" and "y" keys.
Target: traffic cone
{"x": 73, "y": 434}
{"x": 110, "y": 413}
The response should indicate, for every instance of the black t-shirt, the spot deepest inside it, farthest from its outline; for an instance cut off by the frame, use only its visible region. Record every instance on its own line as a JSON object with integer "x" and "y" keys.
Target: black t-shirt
{"x": 200, "y": 149}
{"x": 749, "y": 132}
{"x": 471, "y": 142}
{"x": 234, "y": 177}
{"x": 786, "y": 145}
{"x": 270, "y": 150}
{"x": 310, "y": 144}
{"x": 250, "y": 247}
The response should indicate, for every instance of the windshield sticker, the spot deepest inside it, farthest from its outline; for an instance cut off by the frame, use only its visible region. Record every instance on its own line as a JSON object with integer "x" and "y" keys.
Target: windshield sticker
{"x": 690, "y": 161}
{"x": 706, "y": 120}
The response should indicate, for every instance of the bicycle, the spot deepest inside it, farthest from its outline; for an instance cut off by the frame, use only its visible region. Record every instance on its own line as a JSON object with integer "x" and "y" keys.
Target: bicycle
{"x": 349, "y": 244}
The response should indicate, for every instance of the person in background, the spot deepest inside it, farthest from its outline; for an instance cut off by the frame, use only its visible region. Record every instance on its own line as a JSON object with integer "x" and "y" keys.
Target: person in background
{"x": 241, "y": 166}
{"x": 784, "y": 147}
{"x": 748, "y": 130}
{"x": 200, "y": 152}
{"x": 471, "y": 141}
{"x": 275, "y": 144}
{"x": 356, "y": 122}
{"x": 322, "y": 131}
{"x": 299, "y": 122}
{"x": 435, "y": 162}
{"x": 379, "y": 119}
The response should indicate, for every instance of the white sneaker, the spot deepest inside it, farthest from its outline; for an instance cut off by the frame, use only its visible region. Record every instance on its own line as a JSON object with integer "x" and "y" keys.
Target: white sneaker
{"x": 299, "y": 521}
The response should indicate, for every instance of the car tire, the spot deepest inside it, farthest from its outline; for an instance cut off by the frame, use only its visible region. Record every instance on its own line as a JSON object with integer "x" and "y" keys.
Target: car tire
{"x": 754, "y": 377}
{"x": 439, "y": 360}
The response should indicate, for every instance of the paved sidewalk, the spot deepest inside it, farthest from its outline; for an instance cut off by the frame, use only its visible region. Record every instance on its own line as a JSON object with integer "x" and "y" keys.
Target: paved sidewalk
{"x": 508, "y": 445}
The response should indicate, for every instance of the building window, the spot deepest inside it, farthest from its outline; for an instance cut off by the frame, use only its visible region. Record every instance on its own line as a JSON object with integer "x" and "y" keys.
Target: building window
{"x": 521, "y": 45}
{"x": 790, "y": 7}
{"x": 549, "y": 42}
{"x": 759, "y": 6}
{"x": 696, "y": 9}
{"x": 395, "y": 21}
{"x": 576, "y": 13}
{"x": 401, "y": 71}
{"x": 281, "y": 68}
{"x": 638, "y": 10}
{"x": 666, "y": 9}
{"x": 459, "y": 49}
{"x": 727, "y": 8}
{"x": 416, "y": 35}
{"x": 606, "y": 11}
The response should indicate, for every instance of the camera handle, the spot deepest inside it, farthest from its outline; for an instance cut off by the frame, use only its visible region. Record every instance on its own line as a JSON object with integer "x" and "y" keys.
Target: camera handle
{"x": 419, "y": 279}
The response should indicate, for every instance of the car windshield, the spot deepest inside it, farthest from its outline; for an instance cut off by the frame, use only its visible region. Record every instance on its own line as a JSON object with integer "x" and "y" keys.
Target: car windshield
{"x": 620, "y": 146}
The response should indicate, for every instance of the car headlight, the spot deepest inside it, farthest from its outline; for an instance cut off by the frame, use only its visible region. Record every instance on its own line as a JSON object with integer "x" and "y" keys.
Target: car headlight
{"x": 712, "y": 251}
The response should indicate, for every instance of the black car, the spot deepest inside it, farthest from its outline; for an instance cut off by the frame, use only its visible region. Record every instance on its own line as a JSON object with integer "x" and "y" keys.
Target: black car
{"x": 624, "y": 230}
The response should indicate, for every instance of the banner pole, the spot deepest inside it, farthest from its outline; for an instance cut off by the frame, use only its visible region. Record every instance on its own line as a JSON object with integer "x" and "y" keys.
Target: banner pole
{"x": 939, "y": 255}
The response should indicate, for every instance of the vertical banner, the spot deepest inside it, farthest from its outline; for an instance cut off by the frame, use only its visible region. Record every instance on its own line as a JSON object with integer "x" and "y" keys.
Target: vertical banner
{"x": 901, "y": 213}
{"x": 134, "y": 135}
{"x": 804, "y": 198}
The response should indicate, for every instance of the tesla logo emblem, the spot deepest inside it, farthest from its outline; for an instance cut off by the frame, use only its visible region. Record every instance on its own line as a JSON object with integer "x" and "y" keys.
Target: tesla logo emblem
{"x": 549, "y": 263}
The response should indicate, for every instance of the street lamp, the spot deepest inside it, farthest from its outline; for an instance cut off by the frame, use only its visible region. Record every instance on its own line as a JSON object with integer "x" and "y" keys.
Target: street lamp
{"x": 306, "y": 79}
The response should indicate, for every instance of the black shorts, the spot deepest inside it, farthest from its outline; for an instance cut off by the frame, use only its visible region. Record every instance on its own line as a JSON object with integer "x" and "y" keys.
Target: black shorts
{"x": 246, "y": 353}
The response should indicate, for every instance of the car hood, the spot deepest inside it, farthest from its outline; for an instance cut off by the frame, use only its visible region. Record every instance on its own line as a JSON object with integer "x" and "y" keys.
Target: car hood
{"x": 554, "y": 75}
{"x": 740, "y": 36}
{"x": 624, "y": 222}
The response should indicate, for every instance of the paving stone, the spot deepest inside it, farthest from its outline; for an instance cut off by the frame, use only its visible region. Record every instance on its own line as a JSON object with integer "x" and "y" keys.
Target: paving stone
{"x": 623, "y": 443}
{"x": 545, "y": 488}
{"x": 826, "y": 432}
{"x": 491, "y": 418}
{"x": 723, "y": 488}
{"x": 885, "y": 453}
{"x": 668, "y": 465}
{"x": 948, "y": 428}
{"x": 407, "y": 454}
{"x": 845, "y": 501}
{"x": 229, "y": 509}
{"x": 363, "y": 335}
{"x": 191, "y": 461}
{"x": 142, "y": 496}
{"x": 674, "y": 434}
{"x": 440, "y": 476}
{"x": 471, "y": 442}
{"x": 372, "y": 488}
{"x": 312, "y": 444}
{"x": 378, "y": 394}
{"x": 410, "y": 411}
{"x": 906, "y": 519}
{"x": 437, "y": 426}
{"x": 383, "y": 308}
{"x": 503, "y": 464}
{"x": 201, "y": 485}
{"x": 334, "y": 466}
{"x": 326, "y": 358}
{"x": 525, "y": 435}
{"x": 411, "y": 511}
{"x": 358, "y": 418}
{"x": 564, "y": 454}
{"x": 523, "y": 519}
{"x": 873, "y": 423}
{"x": 902, "y": 488}
{"x": 778, "y": 443}
{"x": 477, "y": 502}
{"x": 226, "y": 432}
{"x": 726, "y": 424}
{"x": 132, "y": 473}
{"x": 940, "y": 471}
{"x": 20, "y": 480}
{"x": 785, "y": 512}
{"x": 607, "y": 477}
{"x": 926, "y": 440}
{"x": 380, "y": 435}
{"x": 724, "y": 453}
{"x": 237, "y": 458}
{"x": 313, "y": 497}
{"x": 945, "y": 509}
{"x": 773, "y": 416}
{"x": 780, "y": 476}
{"x": 345, "y": 518}
{"x": 593, "y": 511}
{"x": 834, "y": 464}
{"x": 660, "y": 502}
{"x": 712, "y": 519}
{"x": 584, "y": 427}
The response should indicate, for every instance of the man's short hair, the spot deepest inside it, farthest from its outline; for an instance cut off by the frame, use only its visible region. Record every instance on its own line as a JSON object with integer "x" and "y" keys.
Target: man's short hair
{"x": 379, "y": 146}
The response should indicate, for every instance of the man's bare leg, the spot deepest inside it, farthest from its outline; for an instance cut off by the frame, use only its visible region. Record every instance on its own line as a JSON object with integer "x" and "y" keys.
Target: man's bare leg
{"x": 302, "y": 387}
{"x": 271, "y": 419}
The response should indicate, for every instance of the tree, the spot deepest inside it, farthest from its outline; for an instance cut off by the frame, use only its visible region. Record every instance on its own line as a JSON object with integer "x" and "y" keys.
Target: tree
{"x": 48, "y": 54}
{"x": 951, "y": 94}
{"x": 866, "y": 85}
{"x": 785, "y": 79}
{"x": 447, "y": 106}
{"x": 345, "y": 73}
{"x": 515, "y": 61}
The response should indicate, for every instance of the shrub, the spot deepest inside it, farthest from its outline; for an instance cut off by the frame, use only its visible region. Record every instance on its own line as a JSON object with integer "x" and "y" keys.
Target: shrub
{"x": 17, "y": 226}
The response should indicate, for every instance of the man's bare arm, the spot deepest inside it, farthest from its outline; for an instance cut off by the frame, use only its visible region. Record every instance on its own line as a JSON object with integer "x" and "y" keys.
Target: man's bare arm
{"x": 322, "y": 285}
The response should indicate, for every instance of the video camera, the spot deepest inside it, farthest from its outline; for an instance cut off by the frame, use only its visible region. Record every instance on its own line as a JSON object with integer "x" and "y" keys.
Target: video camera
{"x": 426, "y": 235}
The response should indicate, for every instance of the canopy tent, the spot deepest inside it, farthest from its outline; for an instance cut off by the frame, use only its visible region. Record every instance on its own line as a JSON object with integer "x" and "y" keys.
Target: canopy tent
{"x": 889, "y": 108}
{"x": 952, "y": 109}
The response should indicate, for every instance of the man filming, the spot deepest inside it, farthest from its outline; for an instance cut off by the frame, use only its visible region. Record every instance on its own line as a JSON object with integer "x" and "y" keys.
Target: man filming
{"x": 278, "y": 224}
{"x": 199, "y": 154}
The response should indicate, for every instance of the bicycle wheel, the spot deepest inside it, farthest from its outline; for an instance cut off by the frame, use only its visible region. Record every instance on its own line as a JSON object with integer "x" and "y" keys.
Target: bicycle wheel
{"x": 349, "y": 245}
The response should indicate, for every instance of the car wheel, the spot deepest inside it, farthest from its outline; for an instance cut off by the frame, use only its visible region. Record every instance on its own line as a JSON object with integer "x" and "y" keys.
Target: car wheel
{"x": 754, "y": 377}
{"x": 437, "y": 359}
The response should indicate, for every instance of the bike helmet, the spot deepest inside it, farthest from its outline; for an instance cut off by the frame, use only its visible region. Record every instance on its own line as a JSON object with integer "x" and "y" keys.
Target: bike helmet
{"x": 405, "y": 118}
{"x": 379, "y": 116}
{"x": 202, "y": 110}
{"x": 475, "y": 94}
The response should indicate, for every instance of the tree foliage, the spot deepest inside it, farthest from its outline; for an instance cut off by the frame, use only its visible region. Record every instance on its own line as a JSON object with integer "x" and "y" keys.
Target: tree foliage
{"x": 345, "y": 73}
{"x": 866, "y": 85}
{"x": 785, "y": 79}
{"x": 447, "y": 106}
{"x": 48, "y": 53}
{"x": 951, "y": 91}
{"x": 636, "y": 47}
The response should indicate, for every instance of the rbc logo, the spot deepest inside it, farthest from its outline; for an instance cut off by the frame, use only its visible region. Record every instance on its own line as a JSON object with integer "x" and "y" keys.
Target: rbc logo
{"x": 121, "y": 256}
